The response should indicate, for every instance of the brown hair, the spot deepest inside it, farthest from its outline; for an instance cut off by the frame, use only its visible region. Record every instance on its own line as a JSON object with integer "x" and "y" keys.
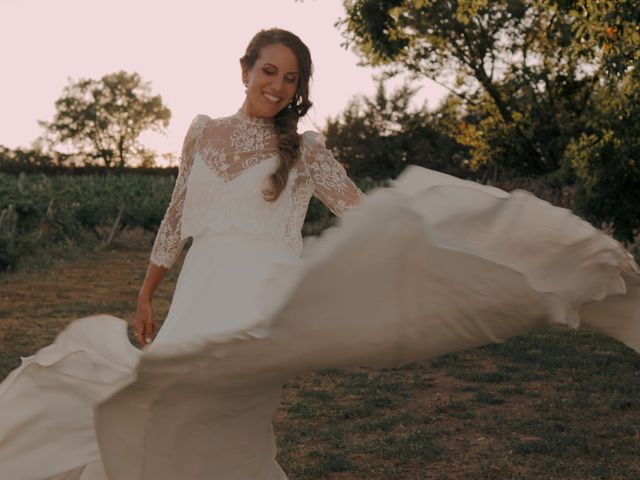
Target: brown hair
{"x": 286, "y": 120}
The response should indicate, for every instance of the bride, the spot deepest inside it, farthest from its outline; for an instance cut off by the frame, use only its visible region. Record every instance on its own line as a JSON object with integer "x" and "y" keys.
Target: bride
{"x": 430, "y": 265}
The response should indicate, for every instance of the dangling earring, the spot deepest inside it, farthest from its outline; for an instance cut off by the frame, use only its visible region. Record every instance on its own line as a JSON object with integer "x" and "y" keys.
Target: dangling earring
{"x": 246, "y": 85}
{"x": 294, "y": 100}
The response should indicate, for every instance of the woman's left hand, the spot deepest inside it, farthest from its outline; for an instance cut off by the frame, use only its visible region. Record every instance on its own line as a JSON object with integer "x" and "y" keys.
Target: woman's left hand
{"x": 145, "y": 326}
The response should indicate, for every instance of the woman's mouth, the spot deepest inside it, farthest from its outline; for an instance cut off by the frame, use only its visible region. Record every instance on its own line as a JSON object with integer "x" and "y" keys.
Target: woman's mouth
{"x": 272, "y": 98}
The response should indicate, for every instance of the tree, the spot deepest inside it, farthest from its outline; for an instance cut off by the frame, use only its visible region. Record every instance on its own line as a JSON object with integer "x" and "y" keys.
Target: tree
{"x": 606, "y": 156}
{"x": 378, "y": 137}
{"x": 522, "y": 68}
{"x": 22, "y": 159}
{"x": 102, "y": 119}
{"x": 538, "y": 87}
{"x": 606, "y": 159}
{"x": 611, "y": 29}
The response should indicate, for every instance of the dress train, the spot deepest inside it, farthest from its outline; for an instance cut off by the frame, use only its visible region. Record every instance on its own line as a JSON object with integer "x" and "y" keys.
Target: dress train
{"x": 428, "y": 266}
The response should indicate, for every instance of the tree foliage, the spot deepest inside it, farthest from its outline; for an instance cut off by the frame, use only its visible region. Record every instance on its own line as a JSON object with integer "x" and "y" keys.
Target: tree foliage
{"x": 21, "y": 159}
{"x": 514, "y": 63}
{"x": 606, "y": 159}
{"x": 542, "y": 87}
{"x": 610, "y": 29}
{"x": 102, "y": 119}
{"x": 378, "y": 137}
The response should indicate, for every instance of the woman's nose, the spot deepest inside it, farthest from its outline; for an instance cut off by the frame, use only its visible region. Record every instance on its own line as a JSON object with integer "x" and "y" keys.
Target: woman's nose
{"x": 277, "y": 83}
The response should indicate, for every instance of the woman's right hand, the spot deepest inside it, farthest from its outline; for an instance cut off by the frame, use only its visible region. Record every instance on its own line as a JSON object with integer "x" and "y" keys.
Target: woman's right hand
{"x": 145, "y": 326}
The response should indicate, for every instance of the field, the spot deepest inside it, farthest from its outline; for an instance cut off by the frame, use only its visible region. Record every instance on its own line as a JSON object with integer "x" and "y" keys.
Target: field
{"x": 556, "y": 404}
{"x": 39, "y": 212}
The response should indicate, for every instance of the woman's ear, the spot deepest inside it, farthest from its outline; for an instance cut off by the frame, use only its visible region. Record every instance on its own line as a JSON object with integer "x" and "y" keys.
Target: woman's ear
{"x": 245, "y": 74}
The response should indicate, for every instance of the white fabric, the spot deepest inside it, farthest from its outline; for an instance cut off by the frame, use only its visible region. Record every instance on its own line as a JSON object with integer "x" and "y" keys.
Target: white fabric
{"x": 212, "y": 192}
{"x": 431, "y": 265}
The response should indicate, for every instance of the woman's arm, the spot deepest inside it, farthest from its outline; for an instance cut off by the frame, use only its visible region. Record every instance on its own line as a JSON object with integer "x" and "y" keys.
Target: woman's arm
{"x": 152, "y": 279}
{"x": 168, "y": 242}
{"x": 332, "y": 184}
{"x": 146, "y": 326}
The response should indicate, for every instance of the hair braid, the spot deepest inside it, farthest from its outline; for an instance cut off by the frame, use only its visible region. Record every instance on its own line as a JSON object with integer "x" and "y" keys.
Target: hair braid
{"x": 286, "y": 121}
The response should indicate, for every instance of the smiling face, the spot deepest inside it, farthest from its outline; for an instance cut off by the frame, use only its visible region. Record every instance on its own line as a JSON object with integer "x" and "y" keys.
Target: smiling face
{"x": 271, "y": 82}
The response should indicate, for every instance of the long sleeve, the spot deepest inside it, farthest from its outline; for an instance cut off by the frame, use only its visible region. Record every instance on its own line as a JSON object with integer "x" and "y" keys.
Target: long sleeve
{"x": 332, "y": 184}
{"x": 169, "y": 242}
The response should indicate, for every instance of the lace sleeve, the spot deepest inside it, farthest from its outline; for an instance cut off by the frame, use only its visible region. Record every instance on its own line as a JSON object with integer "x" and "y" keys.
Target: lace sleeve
{"x": 332, "y": 184}
{"x": 169, "y": 242}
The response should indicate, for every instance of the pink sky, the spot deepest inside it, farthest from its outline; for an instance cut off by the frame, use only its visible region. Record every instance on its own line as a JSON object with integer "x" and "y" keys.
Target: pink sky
{"x": 188, "y": 50}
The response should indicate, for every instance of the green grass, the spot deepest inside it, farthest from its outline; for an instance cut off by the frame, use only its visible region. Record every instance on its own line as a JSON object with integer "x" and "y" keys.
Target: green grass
{"x": 554, "y": 404}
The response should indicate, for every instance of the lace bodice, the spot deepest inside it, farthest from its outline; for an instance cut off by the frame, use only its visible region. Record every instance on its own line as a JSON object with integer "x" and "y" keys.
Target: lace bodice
{"x": 224, "y": 168}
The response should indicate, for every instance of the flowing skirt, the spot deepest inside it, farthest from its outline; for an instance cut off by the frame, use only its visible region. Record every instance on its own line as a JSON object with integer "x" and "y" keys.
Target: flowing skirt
{"x": 429, "y": 266}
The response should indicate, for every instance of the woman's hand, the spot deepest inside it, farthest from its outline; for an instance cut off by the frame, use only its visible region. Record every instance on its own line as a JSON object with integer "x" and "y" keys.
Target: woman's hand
{"x": 145, "y": 326}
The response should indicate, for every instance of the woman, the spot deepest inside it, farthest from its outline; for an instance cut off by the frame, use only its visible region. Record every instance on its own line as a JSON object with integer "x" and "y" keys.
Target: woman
{"x": 432, "y": 265}
{"x": 227, "y": 190}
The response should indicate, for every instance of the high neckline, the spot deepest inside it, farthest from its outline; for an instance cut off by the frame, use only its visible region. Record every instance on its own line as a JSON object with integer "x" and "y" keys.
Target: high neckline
{"x": 253, "y": 120}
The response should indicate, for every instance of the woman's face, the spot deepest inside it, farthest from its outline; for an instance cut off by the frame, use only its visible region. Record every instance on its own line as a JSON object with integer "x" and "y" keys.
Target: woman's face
{"x": 271, "y": 82}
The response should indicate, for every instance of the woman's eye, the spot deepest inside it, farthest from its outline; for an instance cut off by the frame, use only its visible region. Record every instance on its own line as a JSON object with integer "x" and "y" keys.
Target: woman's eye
{"x": 269, "y": 72}
{"x": 290, "y": 79}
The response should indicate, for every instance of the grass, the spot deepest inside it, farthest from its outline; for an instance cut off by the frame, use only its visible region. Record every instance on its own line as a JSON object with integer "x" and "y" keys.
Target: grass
{"x": 554, "y": 404}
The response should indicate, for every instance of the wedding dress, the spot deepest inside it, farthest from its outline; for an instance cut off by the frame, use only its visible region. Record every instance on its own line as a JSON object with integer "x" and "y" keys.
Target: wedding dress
{"x": 430, "y": 265}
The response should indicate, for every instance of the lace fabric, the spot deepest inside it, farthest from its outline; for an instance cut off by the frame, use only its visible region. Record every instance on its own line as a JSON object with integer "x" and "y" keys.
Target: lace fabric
{"x": 225, "y": 165}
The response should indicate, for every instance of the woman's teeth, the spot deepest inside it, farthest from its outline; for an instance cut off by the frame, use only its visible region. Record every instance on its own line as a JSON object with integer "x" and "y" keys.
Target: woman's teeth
{"x": 272, "y": 98}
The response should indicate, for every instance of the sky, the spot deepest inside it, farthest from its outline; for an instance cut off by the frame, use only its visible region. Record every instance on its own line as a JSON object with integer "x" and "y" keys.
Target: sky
{"x": 188, "y": 50}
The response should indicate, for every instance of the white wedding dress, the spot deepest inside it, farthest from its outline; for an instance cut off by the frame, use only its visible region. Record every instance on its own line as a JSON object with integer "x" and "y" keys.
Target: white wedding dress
{"x": 431, "y": 265}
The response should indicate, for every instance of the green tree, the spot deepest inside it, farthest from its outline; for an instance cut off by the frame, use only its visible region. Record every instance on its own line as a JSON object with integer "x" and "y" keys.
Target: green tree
{"x": 378, "y": 137}
{"x": 102, "y": 119}
{"x": 538, "y": 87}
{"x": 606, "y": 159}
{"x": 606, "y": 156}
{"x": 611, "y": 30}
{"x": 519, "y": 66}
{"x": 19, "y": 159}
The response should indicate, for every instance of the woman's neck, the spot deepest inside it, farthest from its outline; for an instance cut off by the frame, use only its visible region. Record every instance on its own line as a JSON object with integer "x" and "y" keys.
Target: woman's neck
{"x": 245, "y": 116}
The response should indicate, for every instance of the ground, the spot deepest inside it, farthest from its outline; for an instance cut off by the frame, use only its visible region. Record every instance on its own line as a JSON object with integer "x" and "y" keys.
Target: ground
{"x": 555, "y": 404}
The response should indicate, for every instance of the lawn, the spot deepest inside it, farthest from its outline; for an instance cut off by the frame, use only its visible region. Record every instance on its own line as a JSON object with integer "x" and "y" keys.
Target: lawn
{"x": 555, "y": 404}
